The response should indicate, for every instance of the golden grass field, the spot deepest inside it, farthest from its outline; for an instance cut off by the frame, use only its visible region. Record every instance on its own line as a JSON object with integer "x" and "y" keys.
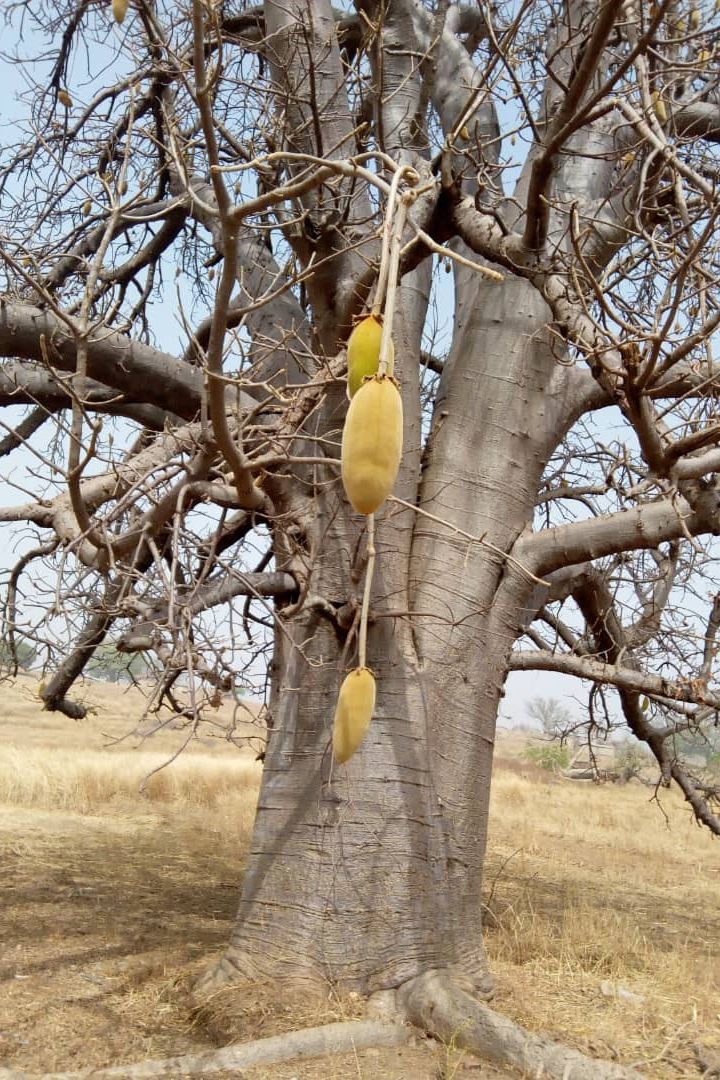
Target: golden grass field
{"x": 112, "y": 896}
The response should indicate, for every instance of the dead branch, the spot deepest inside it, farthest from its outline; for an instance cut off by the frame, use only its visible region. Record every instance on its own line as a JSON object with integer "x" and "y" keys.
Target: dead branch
{"x": 625, "y": 678}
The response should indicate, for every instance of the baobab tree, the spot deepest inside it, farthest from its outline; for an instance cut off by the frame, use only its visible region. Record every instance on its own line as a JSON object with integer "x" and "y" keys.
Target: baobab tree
{"x": 238, "y": 168}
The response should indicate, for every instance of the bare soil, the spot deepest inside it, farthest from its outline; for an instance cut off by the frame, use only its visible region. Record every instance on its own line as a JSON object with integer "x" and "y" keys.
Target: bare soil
{"x": 104, "y": 921}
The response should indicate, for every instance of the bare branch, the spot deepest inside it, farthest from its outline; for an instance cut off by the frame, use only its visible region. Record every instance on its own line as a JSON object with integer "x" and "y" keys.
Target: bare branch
{"x": 624, "y": 678}
{"x": 113, "y": 359}
{"x": 27, "y": 427}
{"x": 642, "y": 527}
{"x": 590, "y": 56}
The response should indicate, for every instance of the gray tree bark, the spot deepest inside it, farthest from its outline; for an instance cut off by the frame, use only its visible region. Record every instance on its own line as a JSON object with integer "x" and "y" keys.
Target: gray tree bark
{"x": 370, "y": 874}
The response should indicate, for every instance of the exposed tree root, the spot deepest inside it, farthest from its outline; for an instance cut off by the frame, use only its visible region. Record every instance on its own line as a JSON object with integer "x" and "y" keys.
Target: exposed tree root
{"x": 440, "y": 1007}
{"x": 434, "y": 1002}
{"x": 217, "y": 977}
{"x": 311, "y": 1042}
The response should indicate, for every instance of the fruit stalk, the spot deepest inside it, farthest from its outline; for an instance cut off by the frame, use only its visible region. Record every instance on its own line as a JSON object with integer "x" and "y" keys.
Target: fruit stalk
{"x": 387, "y": 353}
{"x": 369, "y": 571}
{"x": 387, "y": 233}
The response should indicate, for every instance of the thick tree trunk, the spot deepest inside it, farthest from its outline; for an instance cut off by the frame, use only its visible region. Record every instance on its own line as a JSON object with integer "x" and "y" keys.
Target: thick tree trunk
{"x": 503, "y": 407}
{"x": 370, "y": 873}
{"x": 347, "y": 863}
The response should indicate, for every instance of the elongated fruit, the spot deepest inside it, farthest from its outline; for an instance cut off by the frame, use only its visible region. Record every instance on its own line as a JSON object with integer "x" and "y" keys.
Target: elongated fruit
{"x": 119, "y": 9}
{"x": 372, "y": 443}
{"x": 363, "y": 352}
{"x": 660, "y": 107}
{"x": 353, "y": 713}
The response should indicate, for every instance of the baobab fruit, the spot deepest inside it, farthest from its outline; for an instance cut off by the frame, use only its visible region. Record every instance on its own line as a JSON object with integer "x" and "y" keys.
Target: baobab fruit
{"x": 353, "y": 713}
{"x": 695, "y": 19}
{"x": 119, "y": 9}
{"x": 660, "y": 107}
{"x": 363, "y": 352}
{"x": 372, "y": 443}
{"x": 86, "y": 207}
{"x": 65, "y": 99}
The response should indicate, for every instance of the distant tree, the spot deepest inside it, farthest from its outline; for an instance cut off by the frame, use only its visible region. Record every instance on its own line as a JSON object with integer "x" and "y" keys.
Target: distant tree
{"x": 704, "y": 742}
{"x": 113, "y": 666}
{"x": 16, "y": 655}
{"x": 554, "y": 718}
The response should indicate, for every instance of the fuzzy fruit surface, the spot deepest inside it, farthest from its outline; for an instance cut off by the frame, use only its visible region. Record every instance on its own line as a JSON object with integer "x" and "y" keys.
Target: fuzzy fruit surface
{"x": 119, "y": 9}
{"x": 372, "y": 444}
{"x": 353, "y": 713}
{"x": 363, "y": 352}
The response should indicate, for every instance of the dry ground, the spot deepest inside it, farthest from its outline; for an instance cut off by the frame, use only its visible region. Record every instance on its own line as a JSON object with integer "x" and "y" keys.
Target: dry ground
{"x": 111, "y": 898}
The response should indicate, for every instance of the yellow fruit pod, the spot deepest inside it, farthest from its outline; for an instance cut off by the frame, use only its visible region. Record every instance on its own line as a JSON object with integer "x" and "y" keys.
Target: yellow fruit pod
{"x": 353, "y": 713}
{"x": 119, "y": 9}
{"x": 660, "y": 107}
{"x": 363, "y": 352}
{"x": 372, "y": 443}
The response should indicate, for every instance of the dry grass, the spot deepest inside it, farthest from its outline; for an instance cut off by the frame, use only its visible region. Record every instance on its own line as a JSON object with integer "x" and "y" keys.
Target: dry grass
{"x": 116, "y": 717}
{"x": 589, "y": 885}
{"x": 113, "y": 891}
{"x": 91, "y": 780}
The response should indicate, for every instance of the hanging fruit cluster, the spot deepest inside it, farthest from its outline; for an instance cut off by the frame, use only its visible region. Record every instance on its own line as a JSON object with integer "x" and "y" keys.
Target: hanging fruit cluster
{"x": 372, "y": 436}
{"x": 371, "y": 452}
{"x": 370, "y": 459}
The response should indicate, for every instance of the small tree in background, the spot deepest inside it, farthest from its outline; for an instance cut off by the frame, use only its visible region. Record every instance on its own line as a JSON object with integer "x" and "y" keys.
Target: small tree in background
{"x": 113, "y": 666}
{"x": 554, "y": 718}
{"x": 631, "y": 757}
{"x": 16, "y": 655}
